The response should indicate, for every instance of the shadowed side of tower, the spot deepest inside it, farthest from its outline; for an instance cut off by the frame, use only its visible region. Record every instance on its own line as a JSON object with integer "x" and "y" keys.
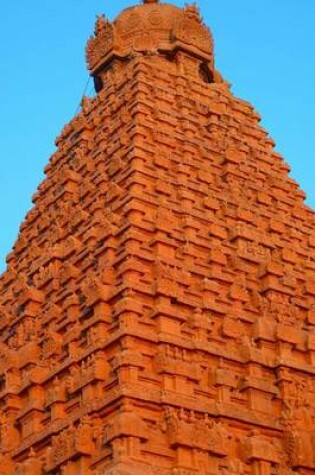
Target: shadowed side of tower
{"x": 157, "y": 314}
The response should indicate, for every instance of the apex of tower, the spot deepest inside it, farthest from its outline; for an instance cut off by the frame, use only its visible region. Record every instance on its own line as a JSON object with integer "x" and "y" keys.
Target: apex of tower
{"x": 149, "y": 28}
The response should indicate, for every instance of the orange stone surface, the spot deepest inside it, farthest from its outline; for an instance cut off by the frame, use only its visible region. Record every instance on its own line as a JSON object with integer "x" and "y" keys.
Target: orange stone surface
{"x": 158, "y": 310}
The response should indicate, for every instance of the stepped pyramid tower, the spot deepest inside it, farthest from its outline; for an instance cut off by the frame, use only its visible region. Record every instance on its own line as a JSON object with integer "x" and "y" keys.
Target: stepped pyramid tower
{"x": 158, "y": 309}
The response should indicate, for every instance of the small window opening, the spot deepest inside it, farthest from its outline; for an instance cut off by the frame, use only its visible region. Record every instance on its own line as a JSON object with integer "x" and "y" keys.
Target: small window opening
{"x": 98, "y": 84}
{"x": 205, "y": 73}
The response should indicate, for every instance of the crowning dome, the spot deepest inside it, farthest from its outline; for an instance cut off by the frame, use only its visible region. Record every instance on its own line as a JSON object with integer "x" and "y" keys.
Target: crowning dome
{"x": 149, "y": 28}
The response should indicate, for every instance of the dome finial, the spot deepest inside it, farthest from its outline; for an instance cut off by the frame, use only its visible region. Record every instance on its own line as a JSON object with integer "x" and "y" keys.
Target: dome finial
{"x": 150, "y": 1}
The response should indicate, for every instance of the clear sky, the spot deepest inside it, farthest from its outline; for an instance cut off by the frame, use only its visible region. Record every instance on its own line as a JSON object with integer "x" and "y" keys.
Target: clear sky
{"x": 265, "y": 48}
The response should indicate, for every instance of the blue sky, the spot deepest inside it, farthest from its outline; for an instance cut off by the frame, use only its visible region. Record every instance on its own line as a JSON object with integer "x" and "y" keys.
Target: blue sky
{"x": 264, "y": 48}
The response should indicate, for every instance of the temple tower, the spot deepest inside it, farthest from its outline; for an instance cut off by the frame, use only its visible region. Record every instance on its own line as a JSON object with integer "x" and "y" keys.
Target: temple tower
{"x": 158, "y": 310}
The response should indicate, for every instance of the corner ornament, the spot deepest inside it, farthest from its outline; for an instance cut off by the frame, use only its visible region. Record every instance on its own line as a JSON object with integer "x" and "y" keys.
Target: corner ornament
{"x": 191, "y": 31}
{"x": 101, "y": 44}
